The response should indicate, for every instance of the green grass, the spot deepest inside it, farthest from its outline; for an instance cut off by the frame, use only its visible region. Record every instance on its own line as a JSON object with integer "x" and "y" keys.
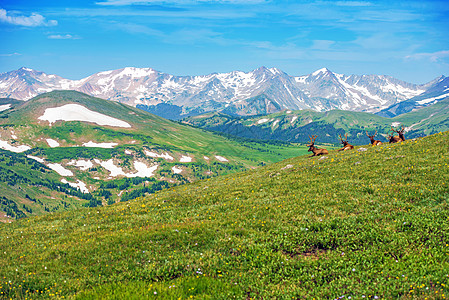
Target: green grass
{"x": 371, "y": 223}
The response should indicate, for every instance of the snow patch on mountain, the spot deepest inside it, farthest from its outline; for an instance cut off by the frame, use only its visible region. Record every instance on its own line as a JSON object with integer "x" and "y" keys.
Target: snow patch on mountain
{"x": 76, "y": 112}
{"x": 185, "y": 159}
{"x": 221, "y": 158}
{"x": 142, "y": 169}
{"x": 17, "y": 149}
{"x": 52, "y": 143}
{"x": 58, "y": 168}
{"x": 5, "y": 107}
{"x": 79, "y": 185}
{"x": 261, "y": 121}
{"x": 100, "y": 145}
{"x": 81, "y": 163}
{"x": 176, "y": 170}
{"x": 433, "y": 99}
{"x": 157, "y": 155}
{"x": 114, "y": 171}
{"x": 41, "y": 160}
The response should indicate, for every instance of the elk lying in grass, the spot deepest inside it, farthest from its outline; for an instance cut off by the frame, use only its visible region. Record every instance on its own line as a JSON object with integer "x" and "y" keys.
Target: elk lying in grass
{"x": 346, "y": 145}
{"x": 397, "y": 138}
{"x": 373, "y": 141}
{"x": 315, "y": 150}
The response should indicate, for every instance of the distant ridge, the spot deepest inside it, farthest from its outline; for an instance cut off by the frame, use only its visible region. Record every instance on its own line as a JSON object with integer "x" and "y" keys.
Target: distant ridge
{"x": 261, "y": 91}
{"x": 296, "y": 126}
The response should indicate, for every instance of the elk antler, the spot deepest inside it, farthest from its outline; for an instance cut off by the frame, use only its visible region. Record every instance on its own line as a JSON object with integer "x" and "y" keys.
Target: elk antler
{"x": 375, "y": 133}
{"x": 312, "y": 139}
{"x": 346, "y": 137}
{"x": 367, "y": 133}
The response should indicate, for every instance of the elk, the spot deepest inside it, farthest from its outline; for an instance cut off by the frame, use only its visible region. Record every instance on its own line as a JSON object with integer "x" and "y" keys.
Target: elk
{"x": 373, "y": 141}
{"x": 315, "y": 150}
{"x": 397, "y": 138}
{"x": 346, "y": 145}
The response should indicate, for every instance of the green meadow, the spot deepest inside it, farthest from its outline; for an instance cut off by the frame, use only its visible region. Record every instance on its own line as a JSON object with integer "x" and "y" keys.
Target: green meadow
{"x": 370, "y": 223}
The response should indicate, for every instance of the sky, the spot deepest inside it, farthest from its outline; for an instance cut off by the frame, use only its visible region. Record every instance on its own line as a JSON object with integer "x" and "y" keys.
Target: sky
{"x": 408, "y": 40}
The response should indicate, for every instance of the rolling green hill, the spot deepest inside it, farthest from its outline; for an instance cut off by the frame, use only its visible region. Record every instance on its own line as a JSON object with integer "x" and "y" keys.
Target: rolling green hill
{"x": 137, "y": 153}
{"x": 296, "y": 126}
{"x": 369, "y": 223}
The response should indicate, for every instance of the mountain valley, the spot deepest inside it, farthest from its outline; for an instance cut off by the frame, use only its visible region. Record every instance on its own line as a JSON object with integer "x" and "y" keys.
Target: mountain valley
{"x": 297, "y": 126}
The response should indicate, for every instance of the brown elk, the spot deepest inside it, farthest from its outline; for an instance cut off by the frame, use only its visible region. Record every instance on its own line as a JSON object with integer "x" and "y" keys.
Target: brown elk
{"x": 373, "y": 141}
{"x": 346, "y": 145}
{"x": 315, "y": 150}
{"x": 397, "y": 138}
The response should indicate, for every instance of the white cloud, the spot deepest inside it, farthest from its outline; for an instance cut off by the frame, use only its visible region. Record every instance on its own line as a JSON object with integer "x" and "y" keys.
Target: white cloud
{"x": 433, "y": 57}
{"x": 135, "y": 29}
{"x": 31, "y": 21}
{"x": 353, "y": 3}
{"x": 149, "y": 2}
{"x": 62, "y": 37}
{"x": 10, "y": 54}
{"x": 322, "y": 44}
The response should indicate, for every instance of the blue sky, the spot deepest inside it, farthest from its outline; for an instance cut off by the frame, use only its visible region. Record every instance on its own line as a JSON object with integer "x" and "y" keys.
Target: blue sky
{"x": 408, "y": 40}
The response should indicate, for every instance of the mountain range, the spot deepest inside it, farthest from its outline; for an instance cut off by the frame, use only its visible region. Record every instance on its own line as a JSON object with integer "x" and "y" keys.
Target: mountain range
{"x": 261, "y": 91}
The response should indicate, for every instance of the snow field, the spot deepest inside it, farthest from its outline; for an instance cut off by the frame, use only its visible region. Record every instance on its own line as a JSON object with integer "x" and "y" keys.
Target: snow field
{"x": 82, "y": 164}
{"x": 221, "y": 158}
{"x": 5, "y": 107}
{"x": 157, "y": 155}
{"x": 52, "y": 143}
{"x": 142, "y": 169}
{"x": 79, "y": 185}
{"x": 41, "y": 160}
{"x": 58, "y": 168}
{"x": 100, "y": 145}
{"x": 76, "y": 112}
{"x": 17, "y": 149}
{"x": 176, "y": 170}
{"x": 185, "y": 159}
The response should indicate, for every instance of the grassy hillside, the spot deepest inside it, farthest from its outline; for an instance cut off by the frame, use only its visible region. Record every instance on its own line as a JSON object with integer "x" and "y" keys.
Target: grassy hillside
{"x": 30, "y": 188}
{"x": 179, "y": 153}
{"x": 368, "y": 223}
{"x": 428, "y": 120}
{"x": 296, "y": 126}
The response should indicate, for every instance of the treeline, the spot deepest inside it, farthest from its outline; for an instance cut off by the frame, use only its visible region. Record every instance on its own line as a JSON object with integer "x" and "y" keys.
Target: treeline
{"x": 124, "y": 183}
{"x": 151, "y": 185}
{"x": 160, "y": 185}
{"x": 282, "y": 135}
{"x": 10, "y": 208}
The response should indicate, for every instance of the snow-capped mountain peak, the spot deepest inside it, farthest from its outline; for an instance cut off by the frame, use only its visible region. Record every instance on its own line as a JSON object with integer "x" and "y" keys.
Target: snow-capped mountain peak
{"x": 321, "y": 71}
{"x": 259, "y": 91}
